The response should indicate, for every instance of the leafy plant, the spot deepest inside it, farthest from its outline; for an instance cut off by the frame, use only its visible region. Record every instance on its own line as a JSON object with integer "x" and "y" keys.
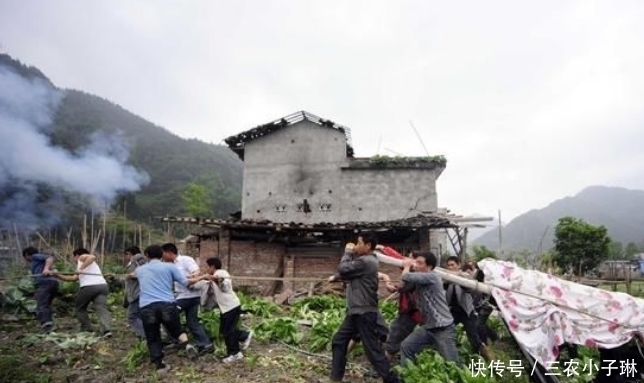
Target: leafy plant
{"x": 257, "y": 306}
{"x": 17, "y": 298}
{"x": 65, "y": 341}
{"x": 430, "y": 367}
{"x": 136, "y": 356}
{"x": 282, "y": 329}
{"x": 320, "y": 303}
{"x": 321, "y": 333}
{"x": 389, "y": 310}
{"x": 210, "y": 321}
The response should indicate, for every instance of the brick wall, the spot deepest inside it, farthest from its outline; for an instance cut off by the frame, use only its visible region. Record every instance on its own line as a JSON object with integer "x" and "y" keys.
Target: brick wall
{"x": 261, "y": 259}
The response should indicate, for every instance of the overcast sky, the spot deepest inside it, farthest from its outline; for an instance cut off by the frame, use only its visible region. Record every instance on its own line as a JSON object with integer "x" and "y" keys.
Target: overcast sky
{"x": 529, "y": 101}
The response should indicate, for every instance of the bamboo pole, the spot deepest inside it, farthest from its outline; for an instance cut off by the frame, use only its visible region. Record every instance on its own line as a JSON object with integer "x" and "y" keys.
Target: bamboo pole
{"x": 103, "y": 239}
{"x": 15, "y": 229}
{"x": 84, "y": 233}
{"x": 124, "y": 222}
{"x": 91, "y": 230}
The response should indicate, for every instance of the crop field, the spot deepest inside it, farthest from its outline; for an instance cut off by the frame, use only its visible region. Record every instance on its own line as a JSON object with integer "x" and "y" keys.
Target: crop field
{"x": 291, "y": 344}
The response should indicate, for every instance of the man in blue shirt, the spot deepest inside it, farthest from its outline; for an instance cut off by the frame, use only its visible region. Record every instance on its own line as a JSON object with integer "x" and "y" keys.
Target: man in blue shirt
{"x": 158, "y": 306}
{"x": 45, "y": 283}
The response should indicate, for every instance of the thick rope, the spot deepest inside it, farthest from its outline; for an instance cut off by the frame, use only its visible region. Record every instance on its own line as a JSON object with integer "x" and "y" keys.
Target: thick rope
{"x": 320, "y": 356}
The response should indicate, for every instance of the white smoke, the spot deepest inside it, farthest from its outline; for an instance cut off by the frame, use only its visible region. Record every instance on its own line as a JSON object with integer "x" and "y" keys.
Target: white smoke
{"x": 28, "y": 159}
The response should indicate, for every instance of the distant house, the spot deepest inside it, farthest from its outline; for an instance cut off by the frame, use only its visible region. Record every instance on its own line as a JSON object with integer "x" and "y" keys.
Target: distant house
{"x": 305, "y": 194}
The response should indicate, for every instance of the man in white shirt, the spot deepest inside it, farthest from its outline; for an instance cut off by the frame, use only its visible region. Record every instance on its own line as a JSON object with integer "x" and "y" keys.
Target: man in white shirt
{"x": 188, "y": 300}
{"x": 230, "y": 308}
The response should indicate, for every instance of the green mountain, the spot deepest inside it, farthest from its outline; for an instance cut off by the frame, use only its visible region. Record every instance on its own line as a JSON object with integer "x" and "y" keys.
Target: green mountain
{"x": 616, "y": 208}
{"x": 96, "y": 147}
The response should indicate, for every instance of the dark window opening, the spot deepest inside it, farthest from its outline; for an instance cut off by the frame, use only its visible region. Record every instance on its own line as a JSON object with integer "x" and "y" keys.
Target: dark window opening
{"x": 324, "y": 207}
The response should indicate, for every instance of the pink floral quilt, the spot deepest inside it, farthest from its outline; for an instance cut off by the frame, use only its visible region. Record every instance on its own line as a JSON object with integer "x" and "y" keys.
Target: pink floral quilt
{"x": 543, "y": 311}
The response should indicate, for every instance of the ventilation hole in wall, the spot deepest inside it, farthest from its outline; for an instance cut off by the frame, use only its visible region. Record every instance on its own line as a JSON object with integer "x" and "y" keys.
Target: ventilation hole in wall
{"x": 335, "y": 139}
{"x": 247, "y": 194}
{"x": 292, "y": 141}
{"x": 259, "y": 211}
{"x": 330, "y": 191}
{"x": 360, "y": 209}
{"x": 324, "y": 207}
{"x": 270, "y": 193}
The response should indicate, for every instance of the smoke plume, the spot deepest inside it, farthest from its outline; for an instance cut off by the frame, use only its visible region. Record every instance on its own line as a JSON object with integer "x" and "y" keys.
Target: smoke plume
{"x": 36, "y": 177}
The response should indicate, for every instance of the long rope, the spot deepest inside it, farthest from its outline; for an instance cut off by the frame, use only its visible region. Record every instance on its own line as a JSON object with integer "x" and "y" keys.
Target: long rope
{"x": 479, "y": 286}
{"x": 320, "y": 356}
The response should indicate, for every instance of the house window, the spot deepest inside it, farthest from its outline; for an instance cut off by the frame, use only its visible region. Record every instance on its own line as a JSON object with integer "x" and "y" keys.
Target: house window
{"x": 280, "y": 208}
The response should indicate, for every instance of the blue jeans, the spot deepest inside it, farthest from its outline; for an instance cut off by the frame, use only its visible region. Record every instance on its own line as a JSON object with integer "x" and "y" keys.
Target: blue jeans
{"x": 442, "y": 339}
{"x": 45, "y": 292}
{"x": 134, "y": 318}
{"x": 190, "y": 307}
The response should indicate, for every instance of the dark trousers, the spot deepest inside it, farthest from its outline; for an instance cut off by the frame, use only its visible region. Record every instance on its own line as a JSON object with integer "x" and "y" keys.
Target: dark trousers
{"x": 486, "y": 333}
{"x": 134, "y": 318}
{"x": 470, "y": 325}
{"x": 366, "y": 325}
{"x": 45, "y": 292}
{"x": 190, "y": 307}
{"x": 399, "y": 329}
{"x": 96, "y": 294}
{"x": 228, "y": 328}
{"x": 153, "y": 316}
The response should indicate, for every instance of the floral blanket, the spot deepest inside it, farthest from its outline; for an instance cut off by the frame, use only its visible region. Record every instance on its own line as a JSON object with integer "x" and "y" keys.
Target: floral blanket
{"x": 543, "y": 311}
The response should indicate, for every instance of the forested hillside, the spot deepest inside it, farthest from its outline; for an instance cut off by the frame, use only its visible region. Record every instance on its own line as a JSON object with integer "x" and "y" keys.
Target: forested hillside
{"x": 74, "y": 139}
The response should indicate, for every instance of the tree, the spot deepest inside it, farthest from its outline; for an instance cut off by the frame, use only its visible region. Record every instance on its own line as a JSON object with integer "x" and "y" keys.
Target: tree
{"x": 482, "y": 252}
{"x": 631, "y": 250}
{"x": 580, "y": 245}
{"x": 616, "y": 250}
{"x": 197, "y": 200}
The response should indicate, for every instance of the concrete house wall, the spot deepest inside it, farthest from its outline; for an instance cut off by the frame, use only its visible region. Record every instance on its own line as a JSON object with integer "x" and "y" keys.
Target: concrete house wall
{"x": 306, "y": 161}
{"x": 282, "y": 169}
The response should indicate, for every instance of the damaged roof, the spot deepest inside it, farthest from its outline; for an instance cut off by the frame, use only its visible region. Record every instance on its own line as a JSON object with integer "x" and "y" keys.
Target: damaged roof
{"x": 418, "y": 222}
{"x": 236, "y": 143}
